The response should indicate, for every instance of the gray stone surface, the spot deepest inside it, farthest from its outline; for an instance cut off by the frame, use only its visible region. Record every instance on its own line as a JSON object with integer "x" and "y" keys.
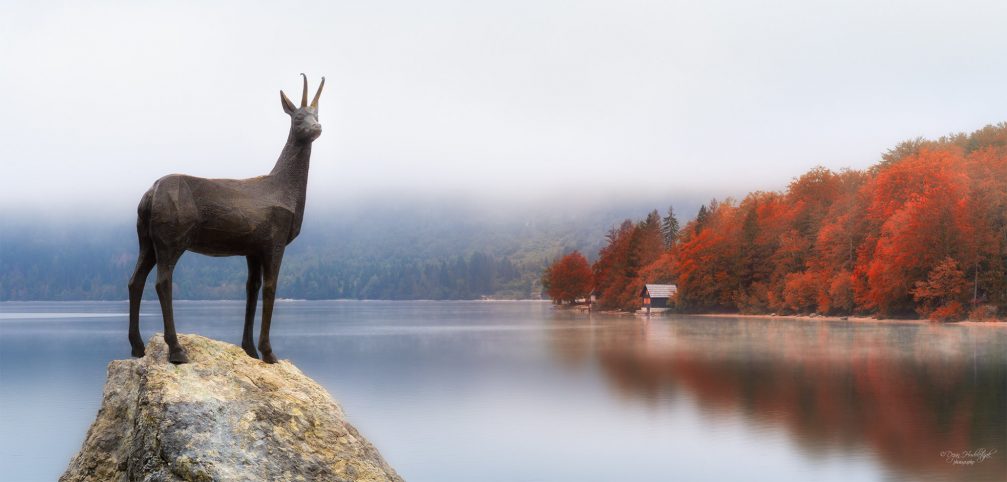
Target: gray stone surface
{"x": 224, "y": 416}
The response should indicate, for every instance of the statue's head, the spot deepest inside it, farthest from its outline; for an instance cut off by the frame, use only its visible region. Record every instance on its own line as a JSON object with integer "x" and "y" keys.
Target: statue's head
{"x": 304, "y": 119}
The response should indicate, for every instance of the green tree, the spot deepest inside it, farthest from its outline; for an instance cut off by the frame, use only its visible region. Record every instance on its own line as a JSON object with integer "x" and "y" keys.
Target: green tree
{"x": 670, "y": 228}
{"x": 701, "y": 218}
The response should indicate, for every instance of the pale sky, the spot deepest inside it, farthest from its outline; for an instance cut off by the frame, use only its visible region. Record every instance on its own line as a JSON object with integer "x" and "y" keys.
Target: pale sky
{"x": 507, "y": 99}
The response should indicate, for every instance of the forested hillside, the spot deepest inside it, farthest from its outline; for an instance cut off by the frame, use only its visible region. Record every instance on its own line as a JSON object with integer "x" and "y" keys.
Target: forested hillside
{"x": 381, "y": 249}
{"x": 923, "y": 232}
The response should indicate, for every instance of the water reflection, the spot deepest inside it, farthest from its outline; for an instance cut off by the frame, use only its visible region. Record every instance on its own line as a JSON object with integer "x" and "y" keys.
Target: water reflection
{"x": 903, "y": 393}
{"x": 507, "y": 391}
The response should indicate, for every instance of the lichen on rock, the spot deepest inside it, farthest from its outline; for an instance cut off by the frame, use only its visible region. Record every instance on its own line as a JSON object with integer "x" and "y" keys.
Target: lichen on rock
{"x": 223, "y": 416}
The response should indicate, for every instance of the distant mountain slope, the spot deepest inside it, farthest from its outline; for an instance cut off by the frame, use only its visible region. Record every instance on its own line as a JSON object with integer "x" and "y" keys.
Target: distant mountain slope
{"x": 381, "y": 249}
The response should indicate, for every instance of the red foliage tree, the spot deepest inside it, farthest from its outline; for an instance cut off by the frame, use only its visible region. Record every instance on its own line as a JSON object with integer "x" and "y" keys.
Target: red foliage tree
{"x": 613, "y": 269}
{"x": 940, "y": 295}
{"x": 840, "y": 243}
{"x": 708, "y": 258}
{"x": 630, "y": 249}
{"x": 569, "y": 278}
{"x": 920, "y": 205}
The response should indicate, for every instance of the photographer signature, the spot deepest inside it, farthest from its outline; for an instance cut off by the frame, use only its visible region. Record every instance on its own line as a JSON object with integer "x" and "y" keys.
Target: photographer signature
{"x": 968, "y": 457}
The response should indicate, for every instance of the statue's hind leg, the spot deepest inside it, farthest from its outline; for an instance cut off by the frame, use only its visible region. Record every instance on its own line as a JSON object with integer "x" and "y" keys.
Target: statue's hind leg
{"x": 166, "y": 259}
{"x": 144, "y": 263}
{"x": 252, "y": 293}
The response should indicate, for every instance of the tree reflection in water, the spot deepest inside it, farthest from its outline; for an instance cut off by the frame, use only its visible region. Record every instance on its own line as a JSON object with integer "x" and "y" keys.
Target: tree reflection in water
{"x": 906, "y": 392}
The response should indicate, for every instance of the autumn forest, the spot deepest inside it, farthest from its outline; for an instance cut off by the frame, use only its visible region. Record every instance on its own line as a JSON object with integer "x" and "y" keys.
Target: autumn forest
{"x": 923, "y": 233}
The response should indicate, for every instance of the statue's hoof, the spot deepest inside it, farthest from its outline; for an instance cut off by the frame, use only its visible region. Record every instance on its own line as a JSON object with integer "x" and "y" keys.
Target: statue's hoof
{"x": 139, "y": 352}
{"x": 251, "y": 352}
{"x": 269, "y": 358}
{"x": 178, "y": 357}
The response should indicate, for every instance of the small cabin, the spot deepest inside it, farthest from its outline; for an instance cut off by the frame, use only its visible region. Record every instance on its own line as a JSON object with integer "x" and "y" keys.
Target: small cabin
{"x": 657, "y": 296}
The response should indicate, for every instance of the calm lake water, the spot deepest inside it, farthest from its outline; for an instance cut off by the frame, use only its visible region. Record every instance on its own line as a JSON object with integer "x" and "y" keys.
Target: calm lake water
{"x": 517, "y": 391}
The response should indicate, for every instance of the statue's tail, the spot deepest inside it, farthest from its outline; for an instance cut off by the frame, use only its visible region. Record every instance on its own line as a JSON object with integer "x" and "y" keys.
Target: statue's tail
{"x": 143, "y": 214}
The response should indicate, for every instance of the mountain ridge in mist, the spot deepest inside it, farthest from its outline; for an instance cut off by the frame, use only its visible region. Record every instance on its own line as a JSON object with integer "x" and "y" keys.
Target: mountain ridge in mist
{"x": 378, "y": 248}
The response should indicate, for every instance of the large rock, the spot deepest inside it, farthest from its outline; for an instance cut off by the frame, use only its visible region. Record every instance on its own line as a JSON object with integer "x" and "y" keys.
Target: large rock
{"x": 224, "y": 416}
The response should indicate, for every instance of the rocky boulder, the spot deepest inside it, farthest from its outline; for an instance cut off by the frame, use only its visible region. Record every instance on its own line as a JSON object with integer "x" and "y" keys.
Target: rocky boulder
{"x": 223, "y": 416}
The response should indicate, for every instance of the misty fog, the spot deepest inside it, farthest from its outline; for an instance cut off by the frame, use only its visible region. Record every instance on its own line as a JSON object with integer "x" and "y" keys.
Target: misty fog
{"x": 532, "y": 101}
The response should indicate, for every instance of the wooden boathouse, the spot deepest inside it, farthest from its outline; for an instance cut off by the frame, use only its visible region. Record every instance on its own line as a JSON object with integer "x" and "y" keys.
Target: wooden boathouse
{"x": 657, "y": 296}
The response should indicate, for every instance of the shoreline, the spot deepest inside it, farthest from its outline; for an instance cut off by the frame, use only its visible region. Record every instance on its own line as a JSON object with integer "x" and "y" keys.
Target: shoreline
{"x": 855, "y": 319}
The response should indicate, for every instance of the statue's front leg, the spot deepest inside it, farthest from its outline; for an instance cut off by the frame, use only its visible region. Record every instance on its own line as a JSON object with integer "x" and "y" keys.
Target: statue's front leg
{"x": 270, "y": 273}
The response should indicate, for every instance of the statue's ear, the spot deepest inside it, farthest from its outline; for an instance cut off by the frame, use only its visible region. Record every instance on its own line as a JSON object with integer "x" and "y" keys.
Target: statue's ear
{"x": 288, "y": 106}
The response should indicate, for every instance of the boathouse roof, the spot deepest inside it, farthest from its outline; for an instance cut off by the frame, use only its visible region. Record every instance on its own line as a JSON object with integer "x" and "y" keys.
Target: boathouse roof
{"x": 659, "y": 291}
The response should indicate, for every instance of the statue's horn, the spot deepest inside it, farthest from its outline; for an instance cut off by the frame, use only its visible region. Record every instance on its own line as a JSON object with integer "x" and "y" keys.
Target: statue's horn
{"x": 314, "y": 103}
{"x": 304, "y": 92}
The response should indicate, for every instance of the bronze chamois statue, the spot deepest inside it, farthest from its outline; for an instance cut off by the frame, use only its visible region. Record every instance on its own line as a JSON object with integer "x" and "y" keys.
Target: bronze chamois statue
{"x": 255, "y": 218}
